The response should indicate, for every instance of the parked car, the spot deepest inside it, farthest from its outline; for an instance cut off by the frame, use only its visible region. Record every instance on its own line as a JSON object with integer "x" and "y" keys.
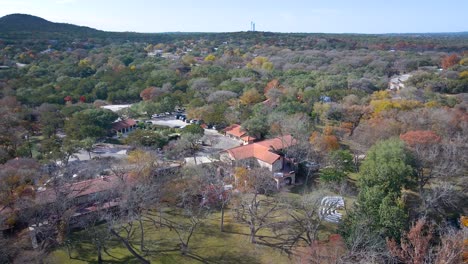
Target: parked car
{"x": 218, "y": 126}
{"x": 312, "y": 166}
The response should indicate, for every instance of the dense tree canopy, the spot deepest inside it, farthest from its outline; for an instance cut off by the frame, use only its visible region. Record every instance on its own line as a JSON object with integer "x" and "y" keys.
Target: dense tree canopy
{"x": 345, "y": 98}
{"x": 90, "y": 123}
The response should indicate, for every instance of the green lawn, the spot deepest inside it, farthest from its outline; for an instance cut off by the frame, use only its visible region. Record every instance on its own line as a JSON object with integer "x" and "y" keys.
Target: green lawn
{"x": 208, "y": 245}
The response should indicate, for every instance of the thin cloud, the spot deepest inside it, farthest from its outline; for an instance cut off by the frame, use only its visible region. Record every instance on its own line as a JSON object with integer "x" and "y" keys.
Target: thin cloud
{"x": 12, "y": 3}
{"x": 65, "y": 1}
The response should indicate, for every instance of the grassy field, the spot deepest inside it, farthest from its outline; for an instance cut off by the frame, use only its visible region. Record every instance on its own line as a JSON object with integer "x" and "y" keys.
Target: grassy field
{"x": 208, "y": 245}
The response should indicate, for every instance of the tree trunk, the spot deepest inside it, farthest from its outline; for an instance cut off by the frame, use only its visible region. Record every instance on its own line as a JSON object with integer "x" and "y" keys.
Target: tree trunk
{"x": 183, "y": 249}
{"x": 61, "y": 231}
{"x": 129, "y": 248}
{"x": 142, "y": 235}
{"x": 99, "y": 256}
{"x": 222, "y": 219}
{"x": 68, "y": 250}
{"x": 252, "y": 236}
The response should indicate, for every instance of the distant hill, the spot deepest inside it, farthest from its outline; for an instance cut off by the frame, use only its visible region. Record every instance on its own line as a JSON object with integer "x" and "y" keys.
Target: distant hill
{"x": 23, "y": 30}
{"x": 23, "y": 22}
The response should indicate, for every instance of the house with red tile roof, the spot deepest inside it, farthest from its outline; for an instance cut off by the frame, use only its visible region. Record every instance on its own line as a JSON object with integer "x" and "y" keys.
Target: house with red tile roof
{"x": 264, "y": 154}
{"x": 123, "y": 126}
{"x": 236, "y": 132}
{"x": 84, "y": 196}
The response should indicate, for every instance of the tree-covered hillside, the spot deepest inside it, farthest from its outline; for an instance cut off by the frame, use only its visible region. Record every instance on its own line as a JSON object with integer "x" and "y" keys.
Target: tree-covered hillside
{"x": 316, "y": 148}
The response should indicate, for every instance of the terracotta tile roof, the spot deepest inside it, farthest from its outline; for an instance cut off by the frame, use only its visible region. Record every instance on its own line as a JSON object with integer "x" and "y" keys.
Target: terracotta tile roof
{"x": 262, "y": 150}
{"x": 234, "y": 130}
{"x": 81, "y": 188}
{"x": 278, "y": 142}
{"x": 123, "y": 124}
{"x": 73, "y": 190}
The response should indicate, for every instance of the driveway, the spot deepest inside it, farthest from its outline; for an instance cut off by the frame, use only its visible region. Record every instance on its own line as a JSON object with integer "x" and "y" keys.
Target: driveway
{"x": 169, "y": 122}
{"x": 216, "y": 142}
{"x": 101, "y": 151}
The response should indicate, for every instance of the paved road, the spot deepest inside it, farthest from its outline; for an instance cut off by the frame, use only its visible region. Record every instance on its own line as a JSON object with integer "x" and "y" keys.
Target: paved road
{"x": 215, "y": 142}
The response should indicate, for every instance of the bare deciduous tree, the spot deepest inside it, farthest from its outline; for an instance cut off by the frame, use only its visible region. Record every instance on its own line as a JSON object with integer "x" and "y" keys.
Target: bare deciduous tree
{"x": 415, "y": 246}
{"x": 305, "y": 218}
{"x": 451, "y": 248}
{"x": 253, "y": 208}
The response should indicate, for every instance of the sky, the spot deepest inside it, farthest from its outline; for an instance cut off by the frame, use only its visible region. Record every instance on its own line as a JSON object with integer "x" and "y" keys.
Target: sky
{"x": 326, "y": 16}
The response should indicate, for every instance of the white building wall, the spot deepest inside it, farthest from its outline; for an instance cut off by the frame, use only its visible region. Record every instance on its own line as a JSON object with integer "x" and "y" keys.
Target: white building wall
{"x": 265, "y": 165}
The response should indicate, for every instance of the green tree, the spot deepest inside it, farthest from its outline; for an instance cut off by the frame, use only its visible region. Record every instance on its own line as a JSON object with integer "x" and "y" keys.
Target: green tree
{"x": 392, "y": 216}
{"x": 146, "y": 138}
{"x": 387, "y": 165}
{"x": 88, "y": 145}
{"x": 384, "y": 172}
{"x": 193, "y": 129}
{"x": 250, "y": 97}
{"x": 257, "y": 126}
{"x": 93, "y": 123}
{"x": 68, "y": 149}
{"x": 340, "y": 163}
{"x": 50, "y": 119}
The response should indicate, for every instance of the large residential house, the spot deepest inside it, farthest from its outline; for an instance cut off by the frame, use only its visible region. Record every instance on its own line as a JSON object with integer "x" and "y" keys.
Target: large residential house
{"x": 124, "y": 126}
{"x": 235, "y": 132}
{"x": 264, "y": 154}
{"x": 398, "y": 82}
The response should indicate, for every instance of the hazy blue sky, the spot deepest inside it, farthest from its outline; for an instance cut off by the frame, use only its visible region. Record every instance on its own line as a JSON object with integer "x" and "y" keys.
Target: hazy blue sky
{"x": 331, "y": 16}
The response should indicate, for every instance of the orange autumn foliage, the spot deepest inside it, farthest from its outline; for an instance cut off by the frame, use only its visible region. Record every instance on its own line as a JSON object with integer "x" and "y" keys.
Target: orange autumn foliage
{"x": 270, "y": 85}
{"x": 147, "y": 93}
{"x": 418, "y": 137}
{"x": 449, "y": 61}
{"x": 347, "y": 126}
{"x": 324, "y": 142}
{"x": 331, "y": 142}
{"x": 464, "y": 221}
{"x": 328, "y": 130}
{"x": 324, "y": 252}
